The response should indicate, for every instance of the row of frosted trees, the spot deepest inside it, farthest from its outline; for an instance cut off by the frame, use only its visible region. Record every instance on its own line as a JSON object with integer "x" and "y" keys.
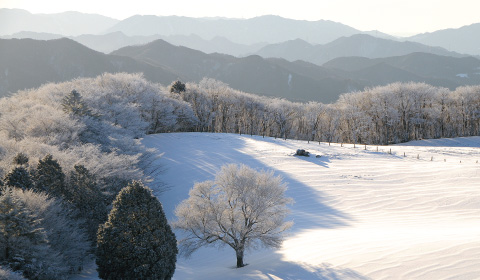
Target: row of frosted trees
{"x": 393, "y": 113}
{"x": 92, "y": 128}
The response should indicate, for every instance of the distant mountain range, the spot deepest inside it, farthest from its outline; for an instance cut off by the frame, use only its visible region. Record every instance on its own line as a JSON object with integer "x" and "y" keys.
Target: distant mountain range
{"x": 109, "y": 42}
{"x": 264, "y": 29}
{"x": 267, "y": 55}
{"x": 26, "y": 63}
{"x": 233, "y": 34}
{"x": 274, "y": 77}
{"x": 269, "y": 29}
{"x": 66, "y": 24}
{"x": 465, "y": 39}
{"x": 444, "y": 71}
{"x": 361, "y": 45}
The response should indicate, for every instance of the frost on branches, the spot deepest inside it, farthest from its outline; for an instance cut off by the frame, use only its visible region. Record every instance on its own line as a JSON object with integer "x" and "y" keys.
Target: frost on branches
{"x": 242, "y": 208}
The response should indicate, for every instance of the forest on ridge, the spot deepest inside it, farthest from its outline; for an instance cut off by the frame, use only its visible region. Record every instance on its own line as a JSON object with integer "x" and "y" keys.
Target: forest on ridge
{"x": 92, "y": 128}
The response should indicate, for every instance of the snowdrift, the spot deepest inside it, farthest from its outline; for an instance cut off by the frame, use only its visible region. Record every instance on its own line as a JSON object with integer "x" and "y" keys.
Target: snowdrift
{"x": 409, "y": 211}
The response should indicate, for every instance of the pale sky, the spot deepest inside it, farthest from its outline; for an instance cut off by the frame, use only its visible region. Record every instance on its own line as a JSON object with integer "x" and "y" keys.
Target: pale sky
{"x": 396, "y": 17}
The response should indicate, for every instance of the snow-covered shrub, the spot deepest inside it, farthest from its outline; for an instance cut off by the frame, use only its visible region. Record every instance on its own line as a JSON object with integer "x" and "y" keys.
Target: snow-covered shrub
{"x": 67, "y": 243}
{"x": 22, "y": 239}
{"x": 7, "y": 274}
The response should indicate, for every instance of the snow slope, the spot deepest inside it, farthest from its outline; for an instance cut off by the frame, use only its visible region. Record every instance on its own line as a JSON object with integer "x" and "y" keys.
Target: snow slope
{"x": 359, "y": 214}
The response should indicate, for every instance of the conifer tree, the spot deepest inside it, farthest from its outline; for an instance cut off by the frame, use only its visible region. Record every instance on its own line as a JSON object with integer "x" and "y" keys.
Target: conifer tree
{"x": 20, "y": 159}
{"x": 50, "y": 178}
{"x": 19, "y": 178}
{"x": 136, "y": 242}
{"x": 74, "y": 104}
{"x": 177, "y": 87}
{"x": 88, "y": 199}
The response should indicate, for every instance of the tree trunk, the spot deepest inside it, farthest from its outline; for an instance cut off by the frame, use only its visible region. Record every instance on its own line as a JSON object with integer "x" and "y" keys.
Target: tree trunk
{"x": 239, "y": 258}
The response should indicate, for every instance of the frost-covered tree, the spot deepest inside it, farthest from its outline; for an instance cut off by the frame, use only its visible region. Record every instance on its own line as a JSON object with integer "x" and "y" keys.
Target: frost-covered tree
{"x": 50, "y": 178}
{"x": 7, "y": 274}
{"x": 22, "y": 239}
{"x": 38, "y": 237}
{"x": 242, "y": 208}
{"x": 136, "y": 242}
{"x": 68, "y": 246}
{"x": 20, "y": 231}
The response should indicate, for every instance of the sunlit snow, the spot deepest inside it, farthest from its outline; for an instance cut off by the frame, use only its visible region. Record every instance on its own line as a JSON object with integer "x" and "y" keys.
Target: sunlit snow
{"x": 407, "y": 211}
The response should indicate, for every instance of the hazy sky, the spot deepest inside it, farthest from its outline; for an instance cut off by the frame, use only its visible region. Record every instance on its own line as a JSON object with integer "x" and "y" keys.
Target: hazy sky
{"x": 398, "y": 17}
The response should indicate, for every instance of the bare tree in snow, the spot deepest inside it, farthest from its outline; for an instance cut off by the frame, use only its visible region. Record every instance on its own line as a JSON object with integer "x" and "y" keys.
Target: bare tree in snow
{"x": 242, "y": 208}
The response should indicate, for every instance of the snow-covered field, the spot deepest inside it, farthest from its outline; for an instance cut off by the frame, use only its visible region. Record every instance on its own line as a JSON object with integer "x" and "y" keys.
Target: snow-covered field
{"x": 359, "y": 214}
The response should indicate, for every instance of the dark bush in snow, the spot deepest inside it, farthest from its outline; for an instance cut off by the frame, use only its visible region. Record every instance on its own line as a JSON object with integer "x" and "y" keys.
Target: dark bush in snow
{"x": 136, "y": 242}
{"x": 302, "y": 152}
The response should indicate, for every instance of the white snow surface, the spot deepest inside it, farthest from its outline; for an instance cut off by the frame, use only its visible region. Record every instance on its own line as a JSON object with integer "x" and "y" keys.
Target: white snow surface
{"x": 358, "y": 214}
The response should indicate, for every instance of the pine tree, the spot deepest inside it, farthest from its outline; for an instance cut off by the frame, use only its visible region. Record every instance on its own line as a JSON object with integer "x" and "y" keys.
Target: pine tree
{"x": 50, "y": 178}
{"x": 136, "y": 242}
{"x": 20, "y": 159}
{"x": 19, "y": 178}
{"x": 88, "y": 199}
{"x": 74, "y": 104}
{"x": 177, "y": 87}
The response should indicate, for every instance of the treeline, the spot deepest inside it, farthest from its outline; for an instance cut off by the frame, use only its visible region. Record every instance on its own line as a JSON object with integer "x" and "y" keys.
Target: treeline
{"x": 394, "y": 113}
{"x": 67, "y": 149}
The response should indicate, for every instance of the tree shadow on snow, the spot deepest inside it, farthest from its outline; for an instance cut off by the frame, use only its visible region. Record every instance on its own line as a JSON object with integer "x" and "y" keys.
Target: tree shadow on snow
{"x": 196, "y": 157}
{"x": 292, "y": 271}
{"x": 265, "y": 265}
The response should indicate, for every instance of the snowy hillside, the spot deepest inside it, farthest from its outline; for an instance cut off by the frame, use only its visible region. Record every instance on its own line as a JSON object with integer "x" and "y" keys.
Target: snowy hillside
{"x": 359, "y": 214}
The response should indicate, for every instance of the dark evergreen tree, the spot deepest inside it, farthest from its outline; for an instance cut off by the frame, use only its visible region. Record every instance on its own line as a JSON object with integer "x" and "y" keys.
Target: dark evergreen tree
{"x": 50, "y": 178}
{"x": 177, "y": 87}
{"x": 74, "y": 104}
{"x": 19, "y": 178}
{"x": 87, "y": 198}
{"x": 20, "y": 159}
{"x": 136, "y": 242}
